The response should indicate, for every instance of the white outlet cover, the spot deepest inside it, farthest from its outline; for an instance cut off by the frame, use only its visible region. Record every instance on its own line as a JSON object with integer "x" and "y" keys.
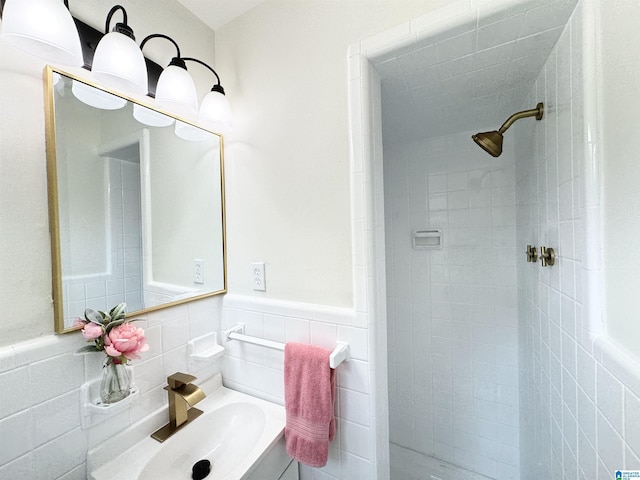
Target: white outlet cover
{"x": 258, "y": 281}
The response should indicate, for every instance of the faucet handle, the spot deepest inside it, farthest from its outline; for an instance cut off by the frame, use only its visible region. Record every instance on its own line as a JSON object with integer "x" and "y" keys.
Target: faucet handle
{"x": 179, "y": 379}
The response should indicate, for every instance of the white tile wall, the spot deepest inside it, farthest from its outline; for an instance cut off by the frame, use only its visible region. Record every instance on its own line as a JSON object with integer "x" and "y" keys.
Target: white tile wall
{"x": 258, "y": 371}
{"x": 451, "y": 315}
{"x": 42, "y": 436}
{"x": 578, "y": 396}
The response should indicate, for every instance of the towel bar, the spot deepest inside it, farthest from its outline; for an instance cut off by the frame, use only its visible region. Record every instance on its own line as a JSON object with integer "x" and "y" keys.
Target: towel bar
{"x": 340, "y": 352}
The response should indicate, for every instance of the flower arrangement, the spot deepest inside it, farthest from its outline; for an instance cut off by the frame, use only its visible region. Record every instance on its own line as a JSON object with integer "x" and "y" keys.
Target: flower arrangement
{"x": 112, "y": 334}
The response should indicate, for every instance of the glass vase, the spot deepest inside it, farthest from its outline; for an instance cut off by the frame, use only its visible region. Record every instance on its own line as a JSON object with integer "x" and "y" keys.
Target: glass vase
{"x": 115, "y": 384}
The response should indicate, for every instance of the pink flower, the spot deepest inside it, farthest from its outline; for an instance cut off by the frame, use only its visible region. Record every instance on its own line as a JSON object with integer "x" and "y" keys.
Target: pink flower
{"x": 125, "y": 340}
{"x": 91, "y": 331}
{"x": 79, "y": 323}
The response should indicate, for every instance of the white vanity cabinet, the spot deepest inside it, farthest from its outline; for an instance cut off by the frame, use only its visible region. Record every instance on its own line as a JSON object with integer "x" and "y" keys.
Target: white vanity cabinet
{"x": 291, "y": 473}
{"x": 275, "y": 465}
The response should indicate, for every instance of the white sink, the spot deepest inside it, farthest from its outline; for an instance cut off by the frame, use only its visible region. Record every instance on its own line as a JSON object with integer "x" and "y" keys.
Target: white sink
{"x": 234, "y": 434}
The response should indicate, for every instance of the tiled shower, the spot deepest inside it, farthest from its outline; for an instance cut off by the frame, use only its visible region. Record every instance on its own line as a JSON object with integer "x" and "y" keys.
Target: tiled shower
{"x": 452, "y": 310}
{"x": 498, "y": 367}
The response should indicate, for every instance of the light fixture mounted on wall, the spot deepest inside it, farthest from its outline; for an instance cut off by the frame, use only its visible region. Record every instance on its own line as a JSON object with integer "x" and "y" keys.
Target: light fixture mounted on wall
{"x": 215, "y": 111}
{"x": 118, "y": 61}
{"x": 176, "y": 90}
{"x": 43, "y": 28}
{"x": 46, "y": 29}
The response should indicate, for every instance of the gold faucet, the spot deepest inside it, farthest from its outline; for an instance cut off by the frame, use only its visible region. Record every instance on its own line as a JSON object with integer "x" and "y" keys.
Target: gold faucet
{"x": 182, "y": 395}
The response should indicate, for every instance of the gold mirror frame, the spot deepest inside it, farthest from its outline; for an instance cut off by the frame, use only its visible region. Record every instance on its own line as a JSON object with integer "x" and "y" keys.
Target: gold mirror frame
{"x": 53, "y": 200}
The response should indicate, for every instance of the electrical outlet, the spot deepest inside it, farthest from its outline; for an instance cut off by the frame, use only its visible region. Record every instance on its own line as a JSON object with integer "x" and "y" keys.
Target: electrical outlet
{"x": 257, "y": 276}
{"x": 198, "y": 271}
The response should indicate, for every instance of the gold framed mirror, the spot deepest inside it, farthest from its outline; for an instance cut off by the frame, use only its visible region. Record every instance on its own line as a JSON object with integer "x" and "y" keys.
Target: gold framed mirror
{"x": 136, "y": 203}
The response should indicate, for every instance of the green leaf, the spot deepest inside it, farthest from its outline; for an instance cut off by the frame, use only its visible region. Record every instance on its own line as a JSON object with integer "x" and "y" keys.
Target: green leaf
{"x": 93, "y": 316}
{"x": 87, "y": 349}
{"x": 118, "y": 311}
{"x": 106, "y": 317}
{"x": 115, "y": 323}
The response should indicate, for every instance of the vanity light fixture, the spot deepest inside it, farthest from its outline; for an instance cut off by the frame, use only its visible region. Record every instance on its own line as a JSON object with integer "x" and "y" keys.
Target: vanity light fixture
{"x": 215, "y": 111}
{"x": 175, "y": 91}
{"x": 43, "y": 28}
{"x": 118, "y": 61}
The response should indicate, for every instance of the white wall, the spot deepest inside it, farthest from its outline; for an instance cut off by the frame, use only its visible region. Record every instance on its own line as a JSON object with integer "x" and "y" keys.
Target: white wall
{"x": 451, "y": 313}
{"x": 621, "y": 143}
{"x": 82, "y": 195}
{"x": 284, "y": 65}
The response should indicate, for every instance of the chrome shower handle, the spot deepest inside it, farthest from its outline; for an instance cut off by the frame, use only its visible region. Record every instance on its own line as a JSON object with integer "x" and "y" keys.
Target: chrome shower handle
{"x": 532, "y": 254}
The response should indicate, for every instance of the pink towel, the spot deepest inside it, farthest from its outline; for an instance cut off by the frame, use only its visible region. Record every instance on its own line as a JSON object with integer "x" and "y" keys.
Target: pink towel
{"x": 309, "y": 393}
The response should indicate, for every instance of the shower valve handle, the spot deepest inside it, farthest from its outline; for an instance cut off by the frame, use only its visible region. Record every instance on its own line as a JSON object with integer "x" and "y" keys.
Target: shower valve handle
{"x": 532, "y": 254}
{"x": 547, "y": 256}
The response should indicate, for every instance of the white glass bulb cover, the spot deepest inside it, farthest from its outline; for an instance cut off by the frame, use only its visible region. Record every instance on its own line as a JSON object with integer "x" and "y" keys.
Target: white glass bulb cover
{"x": 43, "y": 28}
{"x": 176, "y": 92}
{"x": 95, "y": 97}
{"x": 215, "y": 112}
{"x": 118, "y": 62}
{"x": 191, "y": 133}
{"x": 151, "y": 117}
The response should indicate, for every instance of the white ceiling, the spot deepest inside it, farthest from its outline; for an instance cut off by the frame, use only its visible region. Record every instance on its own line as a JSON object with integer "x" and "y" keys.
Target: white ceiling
{"x": 216, "y": 13}
{"x": 473, "y": 78}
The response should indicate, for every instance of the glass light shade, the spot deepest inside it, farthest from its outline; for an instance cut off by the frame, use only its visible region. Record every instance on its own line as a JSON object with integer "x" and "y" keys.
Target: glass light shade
{"x": 176, "y": 92}
{"x": 191, "y": 133}
{"x": 43, "y": 28}
{"x": 95, "y": 97}
{"x": 118, "y": 62}
{"x": 215, "y": 112}
{"x": 151, "y": 117}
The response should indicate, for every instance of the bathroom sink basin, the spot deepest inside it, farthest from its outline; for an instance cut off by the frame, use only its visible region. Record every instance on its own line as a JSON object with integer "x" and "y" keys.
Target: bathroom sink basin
{"x": 226, "y": 435}
{"x": 234, "y": 433}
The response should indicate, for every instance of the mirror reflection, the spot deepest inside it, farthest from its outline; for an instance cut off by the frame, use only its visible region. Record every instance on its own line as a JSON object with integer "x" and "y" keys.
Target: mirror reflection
{"x": 136, "y": 204}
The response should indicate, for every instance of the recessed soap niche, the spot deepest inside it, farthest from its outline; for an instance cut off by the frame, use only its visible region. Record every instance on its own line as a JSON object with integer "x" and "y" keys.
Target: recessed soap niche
{"x": 427, "y": 239}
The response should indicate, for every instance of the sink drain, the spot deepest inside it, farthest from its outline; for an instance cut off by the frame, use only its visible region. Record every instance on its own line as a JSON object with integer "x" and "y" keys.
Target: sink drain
{"x": 201, "y": 469}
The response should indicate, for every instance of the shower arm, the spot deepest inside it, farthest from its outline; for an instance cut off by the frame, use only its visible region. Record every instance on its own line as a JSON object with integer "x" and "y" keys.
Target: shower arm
{"x": 537, "y": 112}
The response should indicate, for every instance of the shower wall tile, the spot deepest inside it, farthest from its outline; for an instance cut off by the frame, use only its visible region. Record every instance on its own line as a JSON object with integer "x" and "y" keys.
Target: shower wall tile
{"x": 577, "y": 400}
{"x": 453, "y": 378}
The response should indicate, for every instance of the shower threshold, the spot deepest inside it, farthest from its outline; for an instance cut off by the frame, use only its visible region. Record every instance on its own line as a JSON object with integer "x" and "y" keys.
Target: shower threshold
{"x": 407, "y": 464}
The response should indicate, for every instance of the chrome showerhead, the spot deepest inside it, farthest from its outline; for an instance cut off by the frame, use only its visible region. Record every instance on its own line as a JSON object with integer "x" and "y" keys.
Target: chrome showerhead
{"x": 491, "y": 142}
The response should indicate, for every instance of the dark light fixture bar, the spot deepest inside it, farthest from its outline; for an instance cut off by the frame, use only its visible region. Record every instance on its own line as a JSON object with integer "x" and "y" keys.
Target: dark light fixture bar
{"x": 89, "y": 39}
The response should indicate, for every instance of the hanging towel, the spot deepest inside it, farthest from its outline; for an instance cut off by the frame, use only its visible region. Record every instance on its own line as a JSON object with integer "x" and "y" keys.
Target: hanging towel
{"x": 309, "y": 394}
